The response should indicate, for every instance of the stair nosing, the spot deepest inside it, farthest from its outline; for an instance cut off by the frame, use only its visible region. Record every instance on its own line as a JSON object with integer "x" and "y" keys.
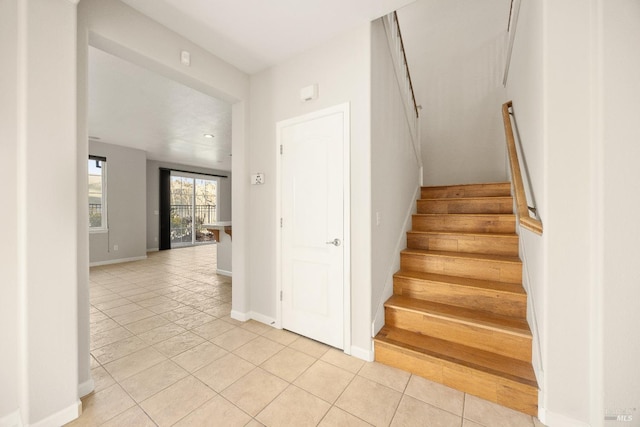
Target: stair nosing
{"x": 449, "y": 199}
{"x": 402, "y": 346}
{"x": 468, "y": 185}
{"x": 465, "y": 233}
{"x": 465, "y": 318}
{"x": 454, "y": 280}
{"x": 450, "y": 254}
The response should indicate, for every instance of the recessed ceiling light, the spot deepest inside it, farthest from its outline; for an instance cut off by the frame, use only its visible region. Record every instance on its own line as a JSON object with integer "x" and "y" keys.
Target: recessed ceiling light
{"x": 208, "y": 135}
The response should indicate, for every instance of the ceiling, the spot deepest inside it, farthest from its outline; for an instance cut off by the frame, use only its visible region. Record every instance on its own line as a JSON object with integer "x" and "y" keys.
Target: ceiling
{"x": 133, "y": 107}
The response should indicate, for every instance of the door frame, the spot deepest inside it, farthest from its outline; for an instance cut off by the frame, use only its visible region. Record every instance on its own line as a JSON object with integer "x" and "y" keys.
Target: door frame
{"x": 346, "y": 214}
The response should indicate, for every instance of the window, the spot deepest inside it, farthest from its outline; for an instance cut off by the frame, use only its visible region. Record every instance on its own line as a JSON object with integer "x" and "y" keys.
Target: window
{"x": 97, "y": 193}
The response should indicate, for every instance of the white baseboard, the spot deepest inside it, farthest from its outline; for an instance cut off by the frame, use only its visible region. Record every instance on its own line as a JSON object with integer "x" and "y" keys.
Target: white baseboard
{"x": 116, "y": 261}
{"x": 11, "y": 420}
{"x": 553, "y": 419}
{"x": 224, "y": 273}
{"x": 153, "y": 249}
{"x": 242, "y": 317}
{"x": 86, "y": 387}
{"x": 61, "y": 417}
{"x": 262, "y": 318}
{"x": 361, "y": 353}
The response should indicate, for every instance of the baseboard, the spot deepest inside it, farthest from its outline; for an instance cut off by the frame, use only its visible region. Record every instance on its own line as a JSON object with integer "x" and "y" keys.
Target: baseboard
{"x": 153, "y": 250}
{"x": 86, "y": 387}
{"x": 361, "y": 353}
{"x": 553, "y": 419}
{"x": 378, "y": 319}
{"x": 11, "y": 420}
{"x": 242, "y": 317}
{"x": 224, "y": 273}
{"x": 262, "y": 318}
{"x": 116, "y": 261}
{"x": 62, "y": 417}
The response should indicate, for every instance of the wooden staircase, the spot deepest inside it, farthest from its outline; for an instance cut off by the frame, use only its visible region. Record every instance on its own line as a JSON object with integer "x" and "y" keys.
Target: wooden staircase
{"x": 458, "y": 313}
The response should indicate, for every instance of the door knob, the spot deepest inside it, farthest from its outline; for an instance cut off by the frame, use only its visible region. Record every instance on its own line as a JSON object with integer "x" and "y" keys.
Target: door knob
{"x": 335, "y": 242}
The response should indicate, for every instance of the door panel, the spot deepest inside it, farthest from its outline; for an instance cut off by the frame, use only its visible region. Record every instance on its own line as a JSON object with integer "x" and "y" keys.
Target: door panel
{"x": 312, "y": 210}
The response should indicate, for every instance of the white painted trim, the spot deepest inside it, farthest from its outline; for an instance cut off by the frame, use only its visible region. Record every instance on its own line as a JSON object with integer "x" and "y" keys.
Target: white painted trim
{"x": 11, "y": 420}
{"x": 361, "y": 353}
{"x": 86, "y": 387}
{"x": 258, "y": 317}
{"x": 224, "y": 273}
{"x": 378, "y": 319}
{"x": 116, "y": 261}
{"x": 153, "y": 250}
{"x": 61, "y": 417}
{"x": 242, "y": 317}
{"x": 345, "y": 109}
{"x": 553, "y": 419}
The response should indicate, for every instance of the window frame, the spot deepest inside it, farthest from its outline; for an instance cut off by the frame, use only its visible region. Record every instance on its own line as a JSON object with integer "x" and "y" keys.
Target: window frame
{"x": 104, "y": 226}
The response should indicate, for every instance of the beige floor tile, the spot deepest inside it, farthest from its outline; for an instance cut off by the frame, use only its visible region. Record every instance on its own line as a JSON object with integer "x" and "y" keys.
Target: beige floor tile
{"x": 231, "y": 320}
{"x": 336, "y": 417}
{"x": 288, "y": 364}
{"x": 150, "y": 381}
{"x": 310, "y": 347}
{"x": 369, "y": 401}
{"x": 490, "y": 414}
{"x": 180, "y": 312}
{"x": 253, "y": 392}
{"x": 220, "y": 310}
{"x": 468, "y": 423}
{"x": 199, "y": 356}
{"x": 165, "y": 307}
{"x": 254, "y": 423}
{"x": 99, "y": 407}
{"x": 258, "y": 350}
{"x": 147, "y": 324}
{"x": 190, "y": 322}
{"x": 281, "y": 336}
{"x": 134, "y": 316}
{"x": 224, "y": 372}
{"x": 173, "y": 403}
{"x": 178, "y": 344}
{"x": 118, "y": 302}
{"x": 256, "y": 327}
{"x": 103, "y": 325}
{"x": 213, "y": 329}
{"x": 145, "y": 299}
{"x": 324, "y": 380}
{"x": 96, "y": 316}
{"x": 436, "y": 394}
{"x": 537, "y": 422}
{"x": 294, "y": 407}
{"x": 341, "y": 360}
{"x": 391, "y": 377}
{"x": 133, "y": 363}
{"x": 93, "y": 363}
{"x": 413, "y": 412}
{"x": 120, "y": 310}
{"x": 161, "y": 333}
{"x": 217, "y": 411}
{"x": 101, "y": 379}
{"x": 234, "y": 338}
{"x": 118, "y": 349}
{"x": 100, "y": 339}
{"x": 131, "y": 417}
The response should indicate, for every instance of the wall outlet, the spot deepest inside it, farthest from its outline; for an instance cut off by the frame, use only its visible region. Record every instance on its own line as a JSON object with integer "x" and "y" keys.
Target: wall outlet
{"x": 115, "y": 247}
{"x": 257, "y": 179}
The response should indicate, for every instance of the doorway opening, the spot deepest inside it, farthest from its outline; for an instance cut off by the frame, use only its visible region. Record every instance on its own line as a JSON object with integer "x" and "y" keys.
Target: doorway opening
{"x": 193, "y": 205}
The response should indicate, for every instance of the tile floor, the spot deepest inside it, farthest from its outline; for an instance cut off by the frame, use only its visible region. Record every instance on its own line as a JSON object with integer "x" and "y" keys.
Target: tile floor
{"x": 165, "y": 352}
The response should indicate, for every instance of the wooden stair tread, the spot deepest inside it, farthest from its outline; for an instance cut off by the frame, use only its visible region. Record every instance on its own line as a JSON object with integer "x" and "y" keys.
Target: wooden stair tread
{"x": 462, "y": 281}
{"x": 446, "y": 191}
{"x": 494, "y": 364}
{"x": 486, "y": 320}
{"x": 464, "y": 233}
{"x": 484, "y": 257}
{"x": 487, "y": 199}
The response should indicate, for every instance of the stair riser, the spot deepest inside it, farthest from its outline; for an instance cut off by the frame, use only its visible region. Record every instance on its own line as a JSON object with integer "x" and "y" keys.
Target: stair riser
{"x": 455, "y": 191}
{"x": 510, "y": 272}
{"x": 468, "y": 224}
{"x": 494, "y": 388}
{"x": 476, "y": 336}
{"x": 504, "y": 303}
{"x": 462, "y": 206}
{"x": 476, "y": 244}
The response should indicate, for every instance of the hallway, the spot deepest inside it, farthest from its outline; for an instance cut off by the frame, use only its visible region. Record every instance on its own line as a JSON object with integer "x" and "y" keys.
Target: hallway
{"x": 166, "y": 352}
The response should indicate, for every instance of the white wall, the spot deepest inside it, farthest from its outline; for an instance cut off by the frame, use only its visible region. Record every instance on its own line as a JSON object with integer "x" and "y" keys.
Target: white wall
{"x": 456, "y": 51}
{"x": 341, "y": 69}
{"x": 9, "y": 375}
{"x": 120, "y": 30}
{"x": 525, "y": 89}
{"x": 39, "y": 360}
{"x": 153, "y": 196}
{"x": 395, "y": 172}
{"x": 126, "y": 205}
{"x": 618, "y": 153}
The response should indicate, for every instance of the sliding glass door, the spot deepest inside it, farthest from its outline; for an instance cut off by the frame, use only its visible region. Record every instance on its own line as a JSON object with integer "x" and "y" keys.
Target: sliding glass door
{"x": 193, "y": 203}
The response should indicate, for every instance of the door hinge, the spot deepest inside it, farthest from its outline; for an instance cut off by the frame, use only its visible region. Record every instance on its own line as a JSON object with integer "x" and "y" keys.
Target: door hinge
{"x": 280, "y": 148}
{"x": 280, "y": 295}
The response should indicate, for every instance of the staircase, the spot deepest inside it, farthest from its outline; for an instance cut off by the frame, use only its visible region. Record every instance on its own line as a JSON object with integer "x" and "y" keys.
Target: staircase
{"x": 458, "y": 312}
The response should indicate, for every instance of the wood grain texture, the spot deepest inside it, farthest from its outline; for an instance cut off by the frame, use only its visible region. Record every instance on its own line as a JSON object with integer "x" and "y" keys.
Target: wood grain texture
{"x": 466, "y": 190}
{"x": 470, "y": 223}
{"x": 478, "y": 243}
{"x": 467, "y": 205}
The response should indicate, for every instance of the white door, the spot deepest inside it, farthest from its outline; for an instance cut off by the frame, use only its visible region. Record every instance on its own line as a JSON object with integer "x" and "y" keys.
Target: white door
{"x": 313, "y": 231}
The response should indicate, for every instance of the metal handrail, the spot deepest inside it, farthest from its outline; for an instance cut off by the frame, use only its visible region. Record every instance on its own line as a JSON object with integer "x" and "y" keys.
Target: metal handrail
{"x": 406, "y": 64}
